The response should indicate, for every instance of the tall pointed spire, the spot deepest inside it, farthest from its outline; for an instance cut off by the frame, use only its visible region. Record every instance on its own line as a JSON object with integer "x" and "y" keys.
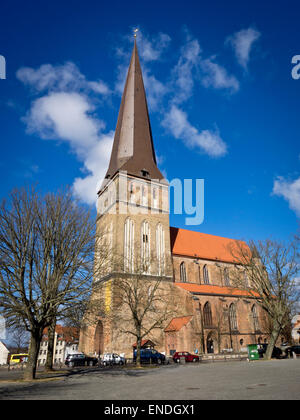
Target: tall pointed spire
{"x": 133, "y": 149}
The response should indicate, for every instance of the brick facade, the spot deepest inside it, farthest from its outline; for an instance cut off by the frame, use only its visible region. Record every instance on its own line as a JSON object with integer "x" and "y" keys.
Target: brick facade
{"x": 134, "y": 236}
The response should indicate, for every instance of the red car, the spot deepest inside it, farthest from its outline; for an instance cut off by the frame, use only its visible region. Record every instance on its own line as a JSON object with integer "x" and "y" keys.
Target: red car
{"x": 188, "y": 356}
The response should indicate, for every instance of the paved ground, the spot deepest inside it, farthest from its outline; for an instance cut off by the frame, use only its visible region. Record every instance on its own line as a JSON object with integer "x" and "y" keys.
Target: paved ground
{"x": 276, "y": 379}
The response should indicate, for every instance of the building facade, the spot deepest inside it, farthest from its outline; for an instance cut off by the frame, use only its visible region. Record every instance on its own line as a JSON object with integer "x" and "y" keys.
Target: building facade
{"x": 134, "y": 236}
{"x": 3, "y": 354}
{"x": 66, "y": 342}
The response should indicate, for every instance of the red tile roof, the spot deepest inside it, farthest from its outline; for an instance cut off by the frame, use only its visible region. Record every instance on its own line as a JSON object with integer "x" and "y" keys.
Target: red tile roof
{"x": 201, "y": 245}
{"x": 68, "y": 334}
{"x": 177, "y": 323}
{"x": 206, "y": 289}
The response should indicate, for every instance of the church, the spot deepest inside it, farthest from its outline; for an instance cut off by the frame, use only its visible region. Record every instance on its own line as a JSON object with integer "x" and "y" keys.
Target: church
{"x": 196, "y": 269}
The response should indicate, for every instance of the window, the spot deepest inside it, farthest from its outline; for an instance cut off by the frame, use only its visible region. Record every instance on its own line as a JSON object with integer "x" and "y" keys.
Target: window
{"x": 205, "y": 275}
{"x": 207, "y": 315}
{"x": 232, "y": 317}
{"x": 145, "y": 173}
{"x": 145, "y": 247}
{"x": 226, "y": 277}
{"x": 255, "y": 318}
{"x": 182, "y": 273}
{"x": 129, "y": 246}
{"x": 160, "y": 248}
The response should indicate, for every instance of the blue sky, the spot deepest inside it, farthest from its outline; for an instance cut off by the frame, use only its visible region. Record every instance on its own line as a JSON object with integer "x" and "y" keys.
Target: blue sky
{"x": 223, "y": 104}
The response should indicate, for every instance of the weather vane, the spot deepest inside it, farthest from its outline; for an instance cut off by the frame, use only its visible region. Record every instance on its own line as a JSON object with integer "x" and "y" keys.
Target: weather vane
{"x": 135, "y": 32}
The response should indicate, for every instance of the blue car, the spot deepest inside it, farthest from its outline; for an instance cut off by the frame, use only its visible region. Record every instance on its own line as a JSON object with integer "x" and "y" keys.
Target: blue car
{"x": 150, "y": 356}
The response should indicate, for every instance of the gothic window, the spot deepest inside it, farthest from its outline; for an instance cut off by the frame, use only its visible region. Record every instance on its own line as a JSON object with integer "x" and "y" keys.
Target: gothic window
{"x": 145, "y": 247}
{"x": 255, "y": 318}
{"x": 207, "y": 315}
{"x": 129, "y": 246}
{"x": 182, "y": 273}
{"x": 205, "y": 275}
{"x": 226, "y": 277}
{"x": 232, "y": 317}
{"x": 160, "y": 248}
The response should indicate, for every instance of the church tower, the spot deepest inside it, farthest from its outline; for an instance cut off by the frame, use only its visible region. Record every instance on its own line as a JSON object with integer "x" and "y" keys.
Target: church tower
{"x": 133, "y": 231}
{"x": 133, "y": 208}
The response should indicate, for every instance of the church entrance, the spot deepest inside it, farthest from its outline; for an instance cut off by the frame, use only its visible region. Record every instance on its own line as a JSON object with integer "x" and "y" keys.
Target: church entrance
{"x": 210, "y": 344}
{"x": 98, "y": 339}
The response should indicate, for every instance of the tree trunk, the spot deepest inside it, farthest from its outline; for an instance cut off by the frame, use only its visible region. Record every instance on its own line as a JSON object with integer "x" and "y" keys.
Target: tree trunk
{"x": 273, "y": 338}
{"x": 50, "y": 350}
{"x": 30, "y": 371}
{"x": 138, "y": 352}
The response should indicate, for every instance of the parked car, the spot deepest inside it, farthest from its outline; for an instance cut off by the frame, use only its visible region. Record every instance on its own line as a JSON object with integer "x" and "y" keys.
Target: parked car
{"x": 292, "y": 349}
{"x": 262, "y": 348}
{"x": 80, "y": 359}
{"x": 150, "y": 356}
{"x": 112, "y": 359}
{"x": 188, "y": 357}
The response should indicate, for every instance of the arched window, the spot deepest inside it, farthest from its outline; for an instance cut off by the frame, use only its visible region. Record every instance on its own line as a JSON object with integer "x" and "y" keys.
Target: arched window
{"x": 205, "y": 275}
{"x": 160, "y": 248}
{"x": 207, "y": 315}
{"x": 226, "y": 277}
{"x": 145, "y": 247}
{"x": 182, "y": 273}
{"x": 129, "y": 246}
{"x": 232, "y": 317}
{"x": 254, "y": 318}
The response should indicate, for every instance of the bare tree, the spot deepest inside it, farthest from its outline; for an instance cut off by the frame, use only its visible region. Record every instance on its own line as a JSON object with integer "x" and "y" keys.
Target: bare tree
{"x": 142, "y": 305}
{"x": 268, "y": 270}
{"x": 19, "y": 338}
{"x": 139, "y": 304}
{"x": 46, "y": 260}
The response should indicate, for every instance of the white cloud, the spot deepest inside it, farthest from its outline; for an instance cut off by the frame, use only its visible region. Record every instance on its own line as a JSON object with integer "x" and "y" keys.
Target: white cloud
{"x": 207, "y": 141}
{"x": 66, "y": 77}
{"x": 217, "y": 77}
{"x": 290, "y": 191}
{"x": 242, "y": 43}
{"x": 151, "y": 49}
{"x": 96, "y": 164}
{"x": 67, "y": 114}
{"x": 183, "y": 74}
{"x": 192, "y": 67}
{"x": 155, "y": 90}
